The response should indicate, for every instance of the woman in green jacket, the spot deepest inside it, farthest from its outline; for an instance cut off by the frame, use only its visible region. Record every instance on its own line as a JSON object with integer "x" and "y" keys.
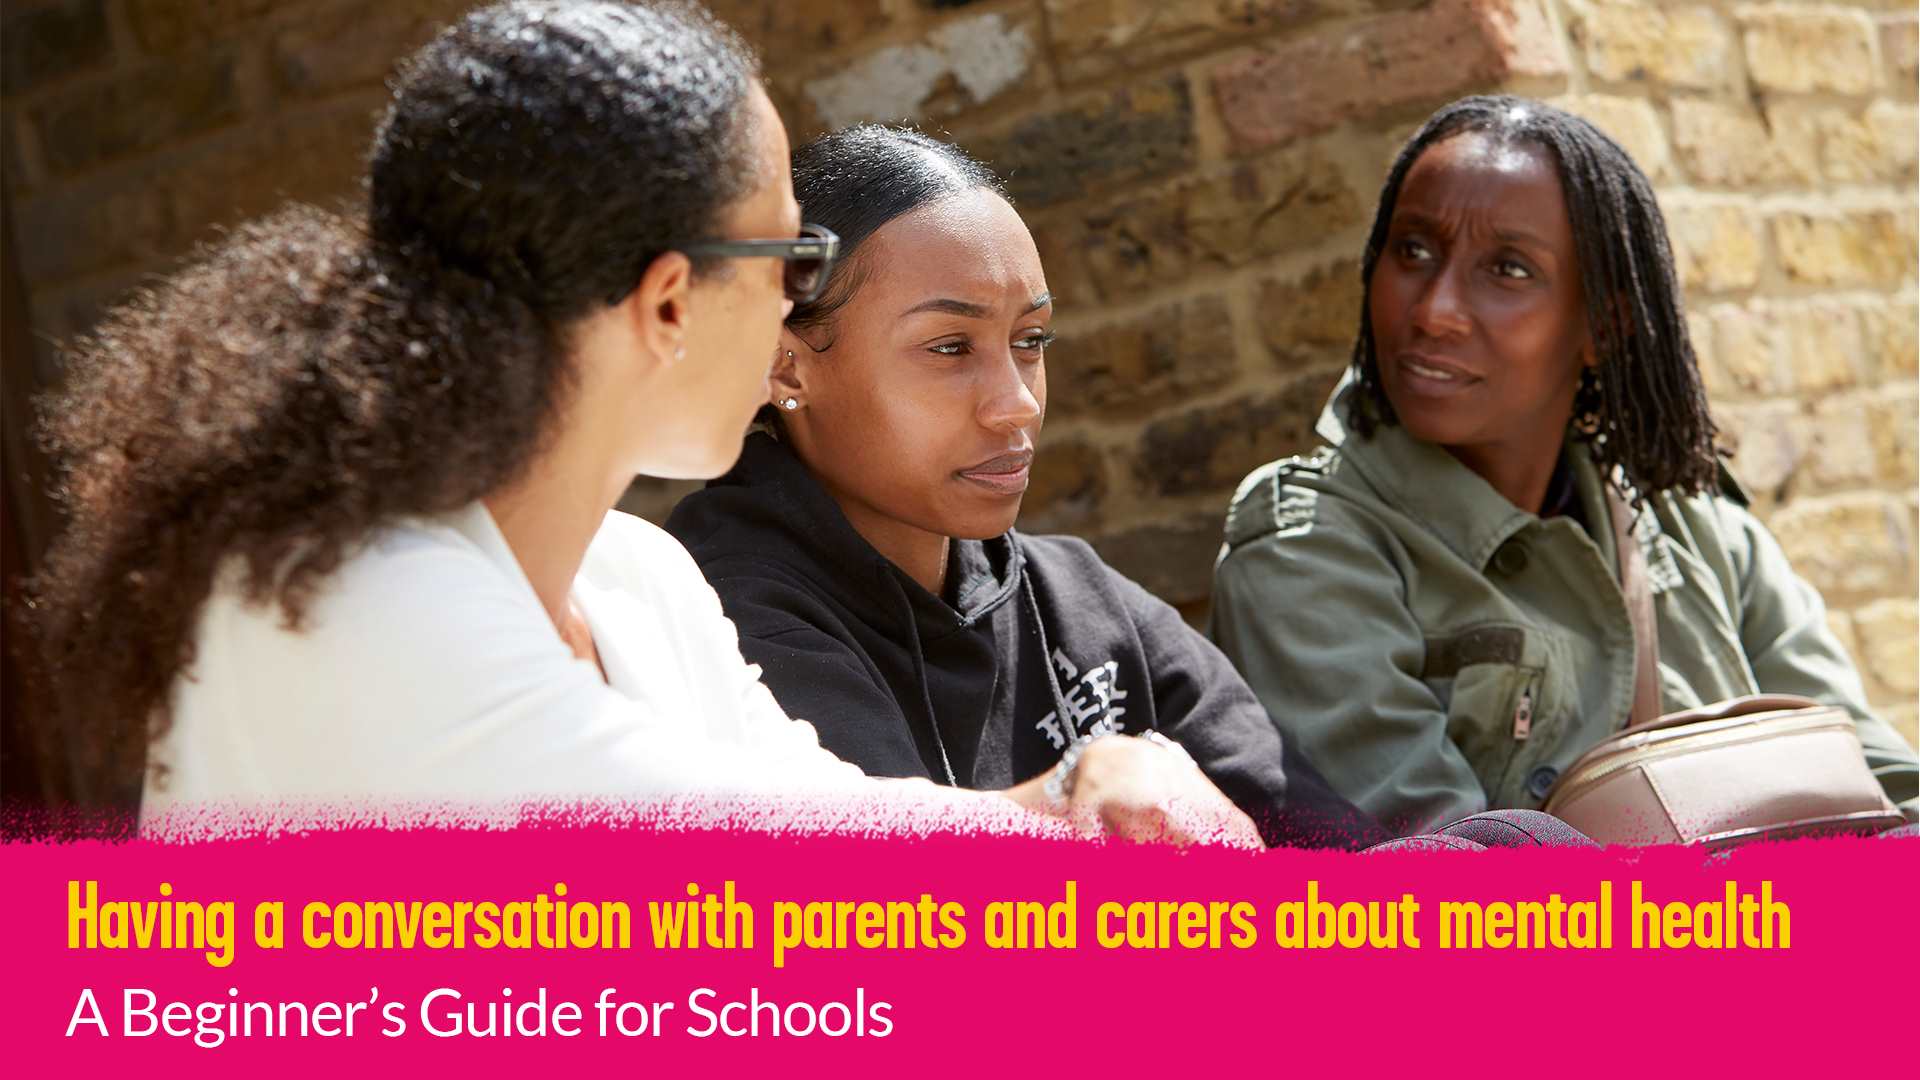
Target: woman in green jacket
{"x": 1430, "y": 603}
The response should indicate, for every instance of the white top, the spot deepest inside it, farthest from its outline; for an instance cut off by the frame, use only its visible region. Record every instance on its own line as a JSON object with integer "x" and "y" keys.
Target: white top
{"x": 427, "y": 668}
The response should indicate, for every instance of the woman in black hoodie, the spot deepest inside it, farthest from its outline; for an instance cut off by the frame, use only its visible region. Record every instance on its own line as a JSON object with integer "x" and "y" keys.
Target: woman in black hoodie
{"x": 864, "y": 543}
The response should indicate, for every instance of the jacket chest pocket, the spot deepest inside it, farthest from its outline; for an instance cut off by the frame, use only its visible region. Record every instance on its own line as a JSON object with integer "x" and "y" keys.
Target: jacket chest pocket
{"x": 1492, "y": 680}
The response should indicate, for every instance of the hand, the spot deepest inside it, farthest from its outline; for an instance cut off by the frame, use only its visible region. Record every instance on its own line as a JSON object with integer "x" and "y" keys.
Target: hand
{"x": 1131, "y": 788}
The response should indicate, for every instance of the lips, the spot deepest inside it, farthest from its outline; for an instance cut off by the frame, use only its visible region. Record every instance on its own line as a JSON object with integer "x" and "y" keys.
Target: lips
{"x": 1003, "y": 474}
{"x": 1426, "y": 373}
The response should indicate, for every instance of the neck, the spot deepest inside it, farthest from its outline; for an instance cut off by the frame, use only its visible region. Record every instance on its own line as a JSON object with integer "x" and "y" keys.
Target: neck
{"x": 919, "y": 554}
{"x": 548, "y": 518}
{"x": 1522, "y": 477}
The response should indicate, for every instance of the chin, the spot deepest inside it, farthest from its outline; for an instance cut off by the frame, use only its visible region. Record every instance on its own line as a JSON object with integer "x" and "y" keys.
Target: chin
{"x": 1439, "y": 426}
{"x": 715, "y": 462}
{"x": 985, "y": 526}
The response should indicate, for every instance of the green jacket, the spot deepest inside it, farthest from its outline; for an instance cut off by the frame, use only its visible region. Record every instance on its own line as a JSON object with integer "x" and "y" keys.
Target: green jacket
{"x": 1438, "y": 651}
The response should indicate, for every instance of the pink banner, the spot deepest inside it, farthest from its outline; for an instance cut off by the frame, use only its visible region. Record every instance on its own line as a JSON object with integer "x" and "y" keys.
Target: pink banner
{"x": 509, "y": 951}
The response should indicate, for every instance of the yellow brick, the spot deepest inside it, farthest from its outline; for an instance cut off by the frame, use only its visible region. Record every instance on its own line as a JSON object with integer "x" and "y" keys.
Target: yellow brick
{"x": 1716, "y": 247}
{"x": 1900, "y": 44}
{"x": 1887, "y": 634}
{"x": 1799, "y": 50}
{"x": 1822, "y": 345}
{"x": 1625, "y": 42}
{"x": 1727, "y": 145}
{"x": 1842, "y": 452}
{"x": 1847, "y": 546}
{"x": 1768, "y": 443}
{"x": 1832, "y": 248}
{"x": 1631, "y": 122}
{"x": 1892, "y": 335}
{"x": 1746, "y": 349}
{"x": 1876, "y": 144}
{"x": 1719, "y": 386}
{"x": 1893, "y": 419}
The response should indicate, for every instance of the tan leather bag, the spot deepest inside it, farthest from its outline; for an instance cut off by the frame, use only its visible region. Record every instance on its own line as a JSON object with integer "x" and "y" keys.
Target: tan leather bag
{"x": 1763, "y": 767}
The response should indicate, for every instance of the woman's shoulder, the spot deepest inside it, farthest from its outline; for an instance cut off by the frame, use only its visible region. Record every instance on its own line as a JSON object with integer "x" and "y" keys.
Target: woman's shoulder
{"x": 1718, "y": 525}
{"x": 409, "y": 582}
{"x": 1301, "y": 498}
{"x": 633, "y": 553}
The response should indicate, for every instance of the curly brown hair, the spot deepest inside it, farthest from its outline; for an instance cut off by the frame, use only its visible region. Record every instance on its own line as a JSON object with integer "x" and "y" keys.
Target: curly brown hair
{"x": 314, "y": 376}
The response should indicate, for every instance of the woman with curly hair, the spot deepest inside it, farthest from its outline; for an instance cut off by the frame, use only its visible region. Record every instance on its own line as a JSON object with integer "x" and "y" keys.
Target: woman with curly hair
{"x": 340, "y": 491}
{"x": 1432, "y": 604}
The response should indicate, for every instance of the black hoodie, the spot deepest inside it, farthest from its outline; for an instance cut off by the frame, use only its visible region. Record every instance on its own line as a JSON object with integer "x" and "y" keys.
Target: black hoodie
{"x": 905, "y": 683}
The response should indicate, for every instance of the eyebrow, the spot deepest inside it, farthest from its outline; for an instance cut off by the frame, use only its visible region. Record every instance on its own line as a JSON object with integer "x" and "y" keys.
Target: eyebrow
{"x": 1504, "y": 235}
{"x": 966, "y": 310}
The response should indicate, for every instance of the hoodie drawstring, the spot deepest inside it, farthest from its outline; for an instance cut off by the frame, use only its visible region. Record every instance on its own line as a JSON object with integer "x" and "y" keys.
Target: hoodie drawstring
{"x": 1046, "y": 656}
{"x": 920, "y": 674}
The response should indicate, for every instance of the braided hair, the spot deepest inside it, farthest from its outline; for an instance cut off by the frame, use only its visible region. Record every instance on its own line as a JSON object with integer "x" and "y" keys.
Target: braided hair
{"x": 1643, "y": 407}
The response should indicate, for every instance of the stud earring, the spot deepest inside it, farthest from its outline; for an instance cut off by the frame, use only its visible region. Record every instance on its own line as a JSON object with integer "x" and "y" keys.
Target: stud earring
{"x": 789, "y": 403}
{"x": 680, "y": 353}
{"x": 789, "y": 354}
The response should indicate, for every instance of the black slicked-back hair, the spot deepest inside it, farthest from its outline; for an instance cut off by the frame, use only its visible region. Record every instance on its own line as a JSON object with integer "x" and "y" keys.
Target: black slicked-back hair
{"x": 1652, "y": 419}
{"x": 858, "y": 179}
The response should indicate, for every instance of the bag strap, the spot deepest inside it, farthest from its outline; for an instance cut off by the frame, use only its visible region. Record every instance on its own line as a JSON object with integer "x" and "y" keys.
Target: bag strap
{"x": 1639, "y": 597}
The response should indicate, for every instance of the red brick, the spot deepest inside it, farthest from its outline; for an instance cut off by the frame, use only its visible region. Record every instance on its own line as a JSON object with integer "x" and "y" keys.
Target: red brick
{"x": 1353, "y": 70}
{"x": 1172, "y": 560}
{"x": 165, "y": 26}
{"x": 1226, "y": 218}
{"x": 1210, "y": 448}
{"x": 49, "y": 42}
{"x": 1165, "y": 354}
{"x": 1142, "y": 132}
{"x": 356, "y": 45}
{"x": 96, "y": 122}
{"x": 1069, "y": 487}
{"x": 795, "y": 31}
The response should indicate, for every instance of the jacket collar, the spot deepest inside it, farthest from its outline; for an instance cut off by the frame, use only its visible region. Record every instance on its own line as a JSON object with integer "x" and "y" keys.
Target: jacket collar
{"x": 1432, "y": 487}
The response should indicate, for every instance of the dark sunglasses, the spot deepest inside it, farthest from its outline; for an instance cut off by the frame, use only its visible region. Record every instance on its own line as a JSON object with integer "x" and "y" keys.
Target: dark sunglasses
{"x": 809, "y": 257}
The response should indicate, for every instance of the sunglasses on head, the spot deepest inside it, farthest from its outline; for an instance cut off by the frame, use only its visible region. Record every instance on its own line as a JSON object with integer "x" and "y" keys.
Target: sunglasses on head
{"x": 809, "y": 257}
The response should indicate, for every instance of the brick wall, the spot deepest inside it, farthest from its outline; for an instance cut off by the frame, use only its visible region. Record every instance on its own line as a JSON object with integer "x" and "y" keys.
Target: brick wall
{"x": 1199, "y": 175}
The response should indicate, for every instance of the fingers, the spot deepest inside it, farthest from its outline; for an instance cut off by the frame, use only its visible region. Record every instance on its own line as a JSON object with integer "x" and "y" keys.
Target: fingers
{"x": 1142, "y": 792}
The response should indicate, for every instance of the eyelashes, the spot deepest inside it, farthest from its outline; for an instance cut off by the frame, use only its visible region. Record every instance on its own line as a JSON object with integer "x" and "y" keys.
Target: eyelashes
{"x": 964, "y": 347}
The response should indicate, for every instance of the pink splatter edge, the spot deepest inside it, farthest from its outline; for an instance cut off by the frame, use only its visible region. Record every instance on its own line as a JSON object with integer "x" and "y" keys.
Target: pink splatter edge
{"x": 1832, "y": 1002}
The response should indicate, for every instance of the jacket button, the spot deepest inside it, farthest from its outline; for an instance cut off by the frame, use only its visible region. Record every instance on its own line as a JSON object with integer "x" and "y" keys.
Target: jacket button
{"x": 1510, "y": 558}
{"x": 1541, "y": 780}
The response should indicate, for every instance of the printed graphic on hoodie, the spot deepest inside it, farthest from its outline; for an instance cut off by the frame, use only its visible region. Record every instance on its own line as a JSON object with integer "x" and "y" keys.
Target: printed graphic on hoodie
{"x": 1093, "y": 703}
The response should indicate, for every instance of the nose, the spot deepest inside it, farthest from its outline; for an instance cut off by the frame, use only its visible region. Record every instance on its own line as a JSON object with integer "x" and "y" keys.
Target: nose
{"x": 1440, "y": 310}
{"x": 1010, "y": 398}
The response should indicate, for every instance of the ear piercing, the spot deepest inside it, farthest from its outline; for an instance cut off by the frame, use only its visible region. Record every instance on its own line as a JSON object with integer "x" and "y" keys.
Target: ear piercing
{"x": 789, "y": 403}
{"x": 680, "y": 353}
